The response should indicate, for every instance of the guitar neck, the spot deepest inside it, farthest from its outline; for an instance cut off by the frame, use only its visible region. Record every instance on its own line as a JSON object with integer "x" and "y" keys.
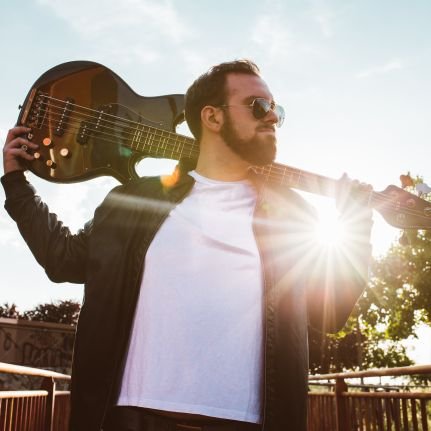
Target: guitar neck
{"x": 298, "y": 179}
{"x": 164, "y": 144}
{"x": 399, "y": 208}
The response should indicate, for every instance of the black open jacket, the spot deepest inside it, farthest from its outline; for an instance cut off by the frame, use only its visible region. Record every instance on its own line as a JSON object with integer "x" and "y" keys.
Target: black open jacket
{"x": 108, "y": 256}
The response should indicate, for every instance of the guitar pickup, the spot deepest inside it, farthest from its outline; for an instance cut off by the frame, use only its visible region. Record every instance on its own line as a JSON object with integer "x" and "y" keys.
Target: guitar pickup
{"x": 84, "y": 133}
{"x": 97, "y": 124}
{"x": 64, "y": 115}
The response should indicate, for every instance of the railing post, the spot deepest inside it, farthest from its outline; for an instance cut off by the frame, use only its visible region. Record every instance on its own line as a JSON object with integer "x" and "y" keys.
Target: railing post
{"x": 341, "y": 410}
{"x": 48, "y": 384}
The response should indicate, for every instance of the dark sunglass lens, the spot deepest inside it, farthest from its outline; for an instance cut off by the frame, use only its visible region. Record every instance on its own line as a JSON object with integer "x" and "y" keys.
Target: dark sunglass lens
{"x": 261, "y": 107}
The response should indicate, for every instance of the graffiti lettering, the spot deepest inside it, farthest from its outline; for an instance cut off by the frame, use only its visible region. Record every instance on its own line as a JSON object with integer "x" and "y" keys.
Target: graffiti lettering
{"x": 8, "y": 342}
{"x": 44, "y": 356}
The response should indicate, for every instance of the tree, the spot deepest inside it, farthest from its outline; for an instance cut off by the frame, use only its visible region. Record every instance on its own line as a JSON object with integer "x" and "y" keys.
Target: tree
{"x": 9, "y": 310}
{"x": 60, "y": 312}
{"x": 359, "y": 345}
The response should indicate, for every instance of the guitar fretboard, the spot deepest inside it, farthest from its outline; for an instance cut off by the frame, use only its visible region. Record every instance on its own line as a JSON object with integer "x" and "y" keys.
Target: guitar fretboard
{"x": 164, "y": 144}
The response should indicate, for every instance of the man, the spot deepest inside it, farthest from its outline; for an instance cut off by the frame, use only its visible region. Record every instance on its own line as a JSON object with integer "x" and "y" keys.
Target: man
{"x": 198, "y": 294}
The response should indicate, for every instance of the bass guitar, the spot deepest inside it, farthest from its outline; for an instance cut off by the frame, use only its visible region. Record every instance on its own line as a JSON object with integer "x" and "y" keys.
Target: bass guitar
{"x": 88, "y": 122}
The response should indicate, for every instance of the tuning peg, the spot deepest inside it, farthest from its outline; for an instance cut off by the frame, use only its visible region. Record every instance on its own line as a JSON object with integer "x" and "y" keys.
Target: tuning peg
{"x": 406, "y": 181}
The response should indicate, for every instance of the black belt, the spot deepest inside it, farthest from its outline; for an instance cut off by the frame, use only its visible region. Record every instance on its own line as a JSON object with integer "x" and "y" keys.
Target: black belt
{"x": 139, "y": 419}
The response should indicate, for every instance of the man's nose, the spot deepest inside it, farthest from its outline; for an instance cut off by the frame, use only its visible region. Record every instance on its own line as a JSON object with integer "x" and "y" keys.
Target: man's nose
{"x": 271, "y": 117}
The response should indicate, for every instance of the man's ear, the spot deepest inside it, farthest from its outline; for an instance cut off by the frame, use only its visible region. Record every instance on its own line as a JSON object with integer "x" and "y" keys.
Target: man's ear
{"x": 212, "y": 118}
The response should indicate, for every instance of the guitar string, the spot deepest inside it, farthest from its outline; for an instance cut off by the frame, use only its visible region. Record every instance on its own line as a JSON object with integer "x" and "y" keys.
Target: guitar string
{"x": 283, "y": 176}
{"x": 107, "y": 114}
{"x": 187, "y": 143}
{"x": 158, "y": 142}
{"x": 292, "y": 172}
{"x": 162, "y": 135}
{"x": 171, "y": 135}
{"x": 153, "y": 131}
{"x": 265, "y": 171}
{"x": 379, "y": 198}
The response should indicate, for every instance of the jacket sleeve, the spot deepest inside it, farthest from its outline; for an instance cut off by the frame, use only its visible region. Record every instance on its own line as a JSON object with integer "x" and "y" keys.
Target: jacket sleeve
{"x": 320, "y": 283}
{"x": 61, "y": 253}
{"x": 339, "y": 275}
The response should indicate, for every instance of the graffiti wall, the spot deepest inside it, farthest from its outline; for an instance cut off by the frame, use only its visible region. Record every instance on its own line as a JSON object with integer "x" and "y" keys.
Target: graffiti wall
{"x": 36, "y": 344}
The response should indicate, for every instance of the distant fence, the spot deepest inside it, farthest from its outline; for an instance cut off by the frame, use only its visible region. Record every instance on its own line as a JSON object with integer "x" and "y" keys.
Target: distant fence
{"x": 38, "y": 410}
{"x": 344, "y": 407}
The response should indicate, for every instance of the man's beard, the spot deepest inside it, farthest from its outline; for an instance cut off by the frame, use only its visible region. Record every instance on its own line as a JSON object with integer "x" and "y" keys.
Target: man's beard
{"x": 257, "y": 151}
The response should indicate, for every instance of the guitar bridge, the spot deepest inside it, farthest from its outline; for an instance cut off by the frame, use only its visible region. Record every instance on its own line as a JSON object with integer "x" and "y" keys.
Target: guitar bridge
{"x": 35, "y": 110}
{"x": 27, "y": 107}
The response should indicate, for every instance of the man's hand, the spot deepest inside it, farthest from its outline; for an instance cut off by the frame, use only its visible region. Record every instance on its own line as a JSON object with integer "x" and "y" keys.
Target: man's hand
{"x": 352, "y": 195}
{"x": 15, "y": 153}
{"x": 353, "y": 203}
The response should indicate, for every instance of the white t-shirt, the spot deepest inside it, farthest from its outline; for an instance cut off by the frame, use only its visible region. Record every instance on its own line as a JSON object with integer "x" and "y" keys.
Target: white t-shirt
{"x": 197, "y": 339}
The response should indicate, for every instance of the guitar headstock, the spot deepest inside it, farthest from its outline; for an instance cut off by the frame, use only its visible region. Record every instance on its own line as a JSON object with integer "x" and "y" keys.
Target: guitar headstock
{"x": 402, "y": 209}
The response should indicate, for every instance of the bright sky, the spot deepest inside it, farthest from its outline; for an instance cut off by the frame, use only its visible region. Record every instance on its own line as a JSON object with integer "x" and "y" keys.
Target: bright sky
{"x": 352, "y": 75}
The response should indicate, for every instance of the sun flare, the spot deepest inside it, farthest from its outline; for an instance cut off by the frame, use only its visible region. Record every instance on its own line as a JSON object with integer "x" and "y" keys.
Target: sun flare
{"x": 330, "y": 231}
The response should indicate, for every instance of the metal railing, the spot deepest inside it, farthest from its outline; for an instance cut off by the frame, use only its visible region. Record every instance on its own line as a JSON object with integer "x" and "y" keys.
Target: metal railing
{"x": 341, "y": 407}
{"x": 38, "y": 410}
{"x": 350, "y": 407}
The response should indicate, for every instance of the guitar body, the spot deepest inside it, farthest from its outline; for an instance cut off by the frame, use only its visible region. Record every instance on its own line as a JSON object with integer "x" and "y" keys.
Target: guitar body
{"x": 80, "y": 112}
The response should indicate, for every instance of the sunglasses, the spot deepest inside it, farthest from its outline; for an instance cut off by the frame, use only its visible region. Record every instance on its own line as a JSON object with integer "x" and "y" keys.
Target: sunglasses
{"x": 261, "y": 107}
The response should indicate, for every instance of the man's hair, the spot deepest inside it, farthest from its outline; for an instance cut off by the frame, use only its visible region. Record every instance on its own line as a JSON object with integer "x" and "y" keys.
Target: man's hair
{"x": 210, "y": 89}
